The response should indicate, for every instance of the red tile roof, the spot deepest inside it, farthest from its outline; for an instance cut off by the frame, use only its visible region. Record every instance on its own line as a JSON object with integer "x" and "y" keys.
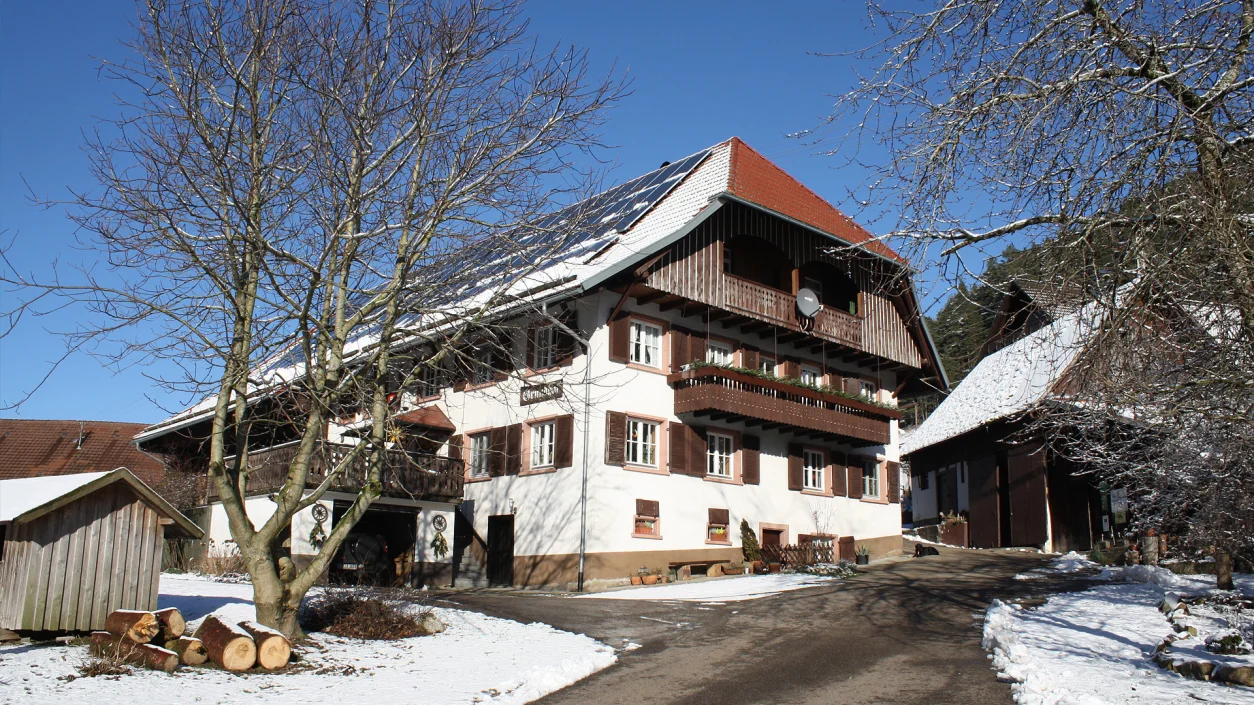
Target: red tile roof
{"x": 429, "y": 416}
{"x": 44, "y": 448}
{"x": 758, "y": 180}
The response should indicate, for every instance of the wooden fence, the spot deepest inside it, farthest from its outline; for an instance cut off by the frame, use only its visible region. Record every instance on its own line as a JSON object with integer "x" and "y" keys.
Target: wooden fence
{"x": 800, "y": 554}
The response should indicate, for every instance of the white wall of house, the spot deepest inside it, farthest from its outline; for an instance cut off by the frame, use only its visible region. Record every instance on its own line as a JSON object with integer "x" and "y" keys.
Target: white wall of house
{"x": 924, "y": 505}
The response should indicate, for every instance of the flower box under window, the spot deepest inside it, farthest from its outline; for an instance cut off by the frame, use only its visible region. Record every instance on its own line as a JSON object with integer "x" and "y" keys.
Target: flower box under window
{"x": 718, "y": 533}
{"x": 646, "y": 526}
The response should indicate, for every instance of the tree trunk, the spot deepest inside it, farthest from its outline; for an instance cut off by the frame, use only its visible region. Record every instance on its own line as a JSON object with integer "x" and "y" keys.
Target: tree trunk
{"x": 110, "y": 646}
{"x": 273, "y": 600}
{"x": 191, "y": 650}
{"x": 140, "y": 627}
{"x": 227, "y": 645}
{"x": 273, "y": 649}
{"x": 1223, "y": 570}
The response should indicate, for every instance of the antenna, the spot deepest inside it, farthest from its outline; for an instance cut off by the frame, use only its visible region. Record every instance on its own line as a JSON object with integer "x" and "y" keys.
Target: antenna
{"x": 79, "y": 445}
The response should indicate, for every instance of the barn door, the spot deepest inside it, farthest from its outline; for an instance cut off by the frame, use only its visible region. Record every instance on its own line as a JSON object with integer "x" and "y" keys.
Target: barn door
{"x": 1026, "y": 471}
{"x": 983, "y": 502}
{"x": 501, "y": 550}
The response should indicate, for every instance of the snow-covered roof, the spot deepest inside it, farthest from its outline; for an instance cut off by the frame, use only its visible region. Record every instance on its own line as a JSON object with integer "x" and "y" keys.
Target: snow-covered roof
{"x": 28, "y": 498}
{"x": 22, "y": 495}
{"x": 1007, "y": 382}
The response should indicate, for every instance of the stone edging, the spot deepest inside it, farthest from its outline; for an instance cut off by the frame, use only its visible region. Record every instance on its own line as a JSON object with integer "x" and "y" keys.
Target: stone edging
{"x": 1177, "y": 608}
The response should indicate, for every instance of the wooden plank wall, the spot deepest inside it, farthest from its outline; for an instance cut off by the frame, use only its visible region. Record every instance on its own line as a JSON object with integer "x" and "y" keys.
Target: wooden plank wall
{"x": 693, "y": 268}
{"x": 74, "y": 566}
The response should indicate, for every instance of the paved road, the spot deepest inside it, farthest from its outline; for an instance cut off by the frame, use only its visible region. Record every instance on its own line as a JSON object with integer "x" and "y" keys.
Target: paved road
{"x": 906, "y": 631}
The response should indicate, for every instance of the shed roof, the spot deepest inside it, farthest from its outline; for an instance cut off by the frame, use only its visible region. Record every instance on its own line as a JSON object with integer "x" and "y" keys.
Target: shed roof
{"x": 40, "y": 448}
{"x": 28, "y": 498}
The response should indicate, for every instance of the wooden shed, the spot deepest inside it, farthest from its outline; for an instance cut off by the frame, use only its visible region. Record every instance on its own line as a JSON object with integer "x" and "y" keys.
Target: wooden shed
{"x": 73, "y": 548}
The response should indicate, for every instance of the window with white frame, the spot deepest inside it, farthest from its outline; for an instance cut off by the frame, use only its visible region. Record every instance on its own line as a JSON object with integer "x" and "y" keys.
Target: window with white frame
{"x": 870, "y": 478}
{"x": 766, "y": 364}
{"x": 812, "y": 463}
{"x": 868, "y": 390}
{"x": 542, "y": 444}
{"x": 718, "y": 352}
{"x": 429, "y": 379}
{"x": 646, "y": 344}
{"x": 483, "y": 372}
{"x": 811, "y": 375}
{"x": 816, "y": 286}
{"x": 480, "y": 446}
{"x": 642, "y": 442}
{"x": 542, "y": 347}
{"x": 718, "y": 455}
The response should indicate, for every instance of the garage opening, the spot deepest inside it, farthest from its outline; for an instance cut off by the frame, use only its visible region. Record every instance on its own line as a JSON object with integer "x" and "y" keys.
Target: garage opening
{"x": 379, "y": 550}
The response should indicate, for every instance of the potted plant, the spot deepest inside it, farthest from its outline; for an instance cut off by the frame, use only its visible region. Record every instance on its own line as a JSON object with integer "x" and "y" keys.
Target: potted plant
{"x": 862, "y": 555}
{"x": 736, "y": 568}
{"x": 953, "y": 529}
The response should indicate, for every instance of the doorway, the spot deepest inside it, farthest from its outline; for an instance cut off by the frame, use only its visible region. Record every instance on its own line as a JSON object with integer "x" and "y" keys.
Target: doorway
{"x": 501, "y": 550}
{"x": 772, "y": 537}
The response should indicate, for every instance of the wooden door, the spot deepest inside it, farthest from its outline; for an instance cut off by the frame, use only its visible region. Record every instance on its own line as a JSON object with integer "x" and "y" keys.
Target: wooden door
{"x": 984, "y": 520}
{"x": 1026, "y": 471}
{"x": 501, "y": 550}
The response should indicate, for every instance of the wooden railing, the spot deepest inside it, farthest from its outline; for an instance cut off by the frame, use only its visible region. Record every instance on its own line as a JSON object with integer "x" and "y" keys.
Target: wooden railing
{"x": 778, "y": 307}
{"x": 732, "y": 392}
{"x": 407, "y": 475}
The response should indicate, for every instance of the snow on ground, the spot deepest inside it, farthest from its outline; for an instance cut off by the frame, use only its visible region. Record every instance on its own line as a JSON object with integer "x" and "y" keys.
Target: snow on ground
{"x": 478, "y": 659}
{"x": 730, "y": 589}
{"x": 1094, "y": 647}
{"x": 1067, "y": 563}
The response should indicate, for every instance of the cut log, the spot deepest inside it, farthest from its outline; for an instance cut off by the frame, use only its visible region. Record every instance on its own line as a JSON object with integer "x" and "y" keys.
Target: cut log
{"x": 190, "y": 650}
{"x": 273, "y": 649}
{"x": 111, "y": 646}
{"x": 172, "y": 623}
{"x": 227, "y": 645}
{"x": 138, "y": 626}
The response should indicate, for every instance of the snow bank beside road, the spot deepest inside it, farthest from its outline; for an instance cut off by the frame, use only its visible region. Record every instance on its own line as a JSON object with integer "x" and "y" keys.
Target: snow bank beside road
{"x": 478, "y": 659}
{"x": 735, "y": 589}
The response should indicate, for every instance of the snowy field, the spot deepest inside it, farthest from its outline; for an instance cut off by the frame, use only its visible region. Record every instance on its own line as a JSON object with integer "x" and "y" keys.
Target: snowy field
{"x": 478, "y": 659}
{"x": 1094, "y": 647}
{"x": 730, "y": 589}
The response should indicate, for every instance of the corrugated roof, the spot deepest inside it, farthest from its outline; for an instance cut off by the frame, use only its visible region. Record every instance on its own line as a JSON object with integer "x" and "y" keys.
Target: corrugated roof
{"x": 43, "y": 448}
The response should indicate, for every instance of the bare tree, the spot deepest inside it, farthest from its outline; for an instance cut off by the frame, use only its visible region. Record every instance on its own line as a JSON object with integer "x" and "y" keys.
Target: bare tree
{"x": 297, "y": 188}
{"x": 1116, "y": 136}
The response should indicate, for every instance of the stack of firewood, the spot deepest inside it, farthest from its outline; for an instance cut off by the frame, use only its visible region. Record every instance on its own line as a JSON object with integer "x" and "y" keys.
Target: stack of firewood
{"x": 136, "y": 637}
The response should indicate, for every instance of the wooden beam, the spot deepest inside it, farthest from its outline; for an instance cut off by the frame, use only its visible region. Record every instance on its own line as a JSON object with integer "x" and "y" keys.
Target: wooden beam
{"x": 672, "y": 304}
{"x": 651, "y": 296}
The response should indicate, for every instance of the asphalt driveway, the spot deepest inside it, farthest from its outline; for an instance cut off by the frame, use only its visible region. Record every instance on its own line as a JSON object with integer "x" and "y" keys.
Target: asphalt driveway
{"x": 906, "y": 631}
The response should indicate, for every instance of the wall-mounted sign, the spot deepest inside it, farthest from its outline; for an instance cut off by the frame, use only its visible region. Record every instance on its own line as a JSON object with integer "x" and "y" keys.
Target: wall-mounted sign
{"x": 1119, "y": 505}
{"x": 544, "y": 391}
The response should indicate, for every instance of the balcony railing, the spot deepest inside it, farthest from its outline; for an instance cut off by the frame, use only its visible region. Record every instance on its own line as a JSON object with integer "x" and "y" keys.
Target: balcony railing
{"x": 715, "y": 389}
{"x": 404, "y": 474}
{"x": 778, "y": 307}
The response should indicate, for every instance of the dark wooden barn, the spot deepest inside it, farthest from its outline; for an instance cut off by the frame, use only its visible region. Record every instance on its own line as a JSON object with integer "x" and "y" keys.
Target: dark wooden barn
{"x": 77, "y": 547}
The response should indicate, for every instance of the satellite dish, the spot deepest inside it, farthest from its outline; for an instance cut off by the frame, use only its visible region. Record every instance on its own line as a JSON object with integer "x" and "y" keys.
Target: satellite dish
{"x": 808, "y": 303}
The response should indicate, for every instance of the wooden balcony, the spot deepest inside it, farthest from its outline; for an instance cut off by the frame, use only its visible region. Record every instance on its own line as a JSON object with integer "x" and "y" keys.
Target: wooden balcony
{"x": 405, "y": 475}
{"x": 774, "y": 306}
{"x": 727, "y": 394}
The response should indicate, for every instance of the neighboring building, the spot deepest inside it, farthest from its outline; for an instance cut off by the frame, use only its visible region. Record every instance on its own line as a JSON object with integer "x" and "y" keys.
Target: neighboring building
{"x": 977, "y": 456}
{"x": 705, "y": 398}
{"x": 44, "y": 448}
{"x": 76, "y": 547}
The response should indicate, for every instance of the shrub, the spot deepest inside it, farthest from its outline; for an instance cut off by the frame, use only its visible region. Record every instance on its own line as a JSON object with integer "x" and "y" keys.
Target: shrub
{"x": 360, "y": 615}
{"x": 749, "y": 543}
{"x": 103, "y": 666}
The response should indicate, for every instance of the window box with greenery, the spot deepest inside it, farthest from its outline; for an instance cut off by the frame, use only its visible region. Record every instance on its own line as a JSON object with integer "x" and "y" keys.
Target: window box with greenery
{"x": 794, "y": 382}
{"x": 716, "y": 528}
{"x": 647, "y": 523}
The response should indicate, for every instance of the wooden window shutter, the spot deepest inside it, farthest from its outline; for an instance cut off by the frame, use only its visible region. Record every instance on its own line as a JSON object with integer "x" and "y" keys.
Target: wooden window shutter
{"x": 750, "y": 465}
{"x": 697, "y": 445}
{"x": 620, "y": 338}
{"x": 894, "y": 482}
{"x": 455, "y": 446}
{"x": 853, "y": 385}
{"x": 513, "y": 449}
{"x": 615, "y": 438}
{"x": 792, "y": 369}
{"x": 496, "y": 451}
{"x": 719, "y": 516}
{"x": 678, "y": 448}
{"x": 840, "y": 476}
{"x": 564, "y": 441}
{"x": 795, "y": 467}
{"x": 502, "y": 363}
{"x": 696, "y": 347}
{"x": 564, "y": 344}
{"x": 679, "y": 348}
{"x": 855, "y": 477}
{"x": 531, "y": 346}
{"x": 749, "y": 357}
{"x": 648, "y": 508}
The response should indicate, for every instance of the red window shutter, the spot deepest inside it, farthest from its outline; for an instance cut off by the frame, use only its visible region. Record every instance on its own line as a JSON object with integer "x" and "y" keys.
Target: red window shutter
{"x": 564, "y": 441}
{"x": 855, "y": 477}
{"x": 719, "y": 516}
{"x": 615, "y": 438}
{"x": 792, "y": 369}
{"x": 894, "y": 482}
{"x": 678, "y": 448}
{"x": 620, "y": 338}
{"x": 840, "y": 476}
{"x": 496, "y": 451}
{"x": 795, "y": 481}
{"x": 749, "y": 358}
{"x": 679, "y": 348}
{"x": 696, "y": 347}
{"x": 696, "y": 451}
{"x": 853, "y": 385}
{"x": 513, "y": 449}
{"x": 455, "y": 446}
{"x": 750, "y": 449}
{"x": 648, "y": 508}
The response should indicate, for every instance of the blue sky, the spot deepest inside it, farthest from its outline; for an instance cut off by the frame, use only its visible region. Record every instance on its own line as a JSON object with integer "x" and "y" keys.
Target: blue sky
{"x": 701, "y": 72}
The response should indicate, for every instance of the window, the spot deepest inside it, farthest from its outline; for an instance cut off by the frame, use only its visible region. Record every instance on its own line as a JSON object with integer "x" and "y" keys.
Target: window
{"x": 429, "y": 379}
{"x": 641, "y": 442}
{"x": 542, "y": 444}
{"x": 716, "y": 527}
{"x": 542, "y": 343}
{"x": 870, "y": 479}
{"x": 814, "y": 285}
{"x": 647, "y": 523}
{"x": 811, "y": 375}
{"x": 923, "y": 480}
{"x": 718, "y": 353}
{"x": 646, "y": 344}
{"x": 868, "y": 390}
{"x": 766, "y": 364}
{"x": 718, "y": 455}
{"x": 479, "y": 454}
{"x": 812, "y": 470}
{"x": 482, "y": 372}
